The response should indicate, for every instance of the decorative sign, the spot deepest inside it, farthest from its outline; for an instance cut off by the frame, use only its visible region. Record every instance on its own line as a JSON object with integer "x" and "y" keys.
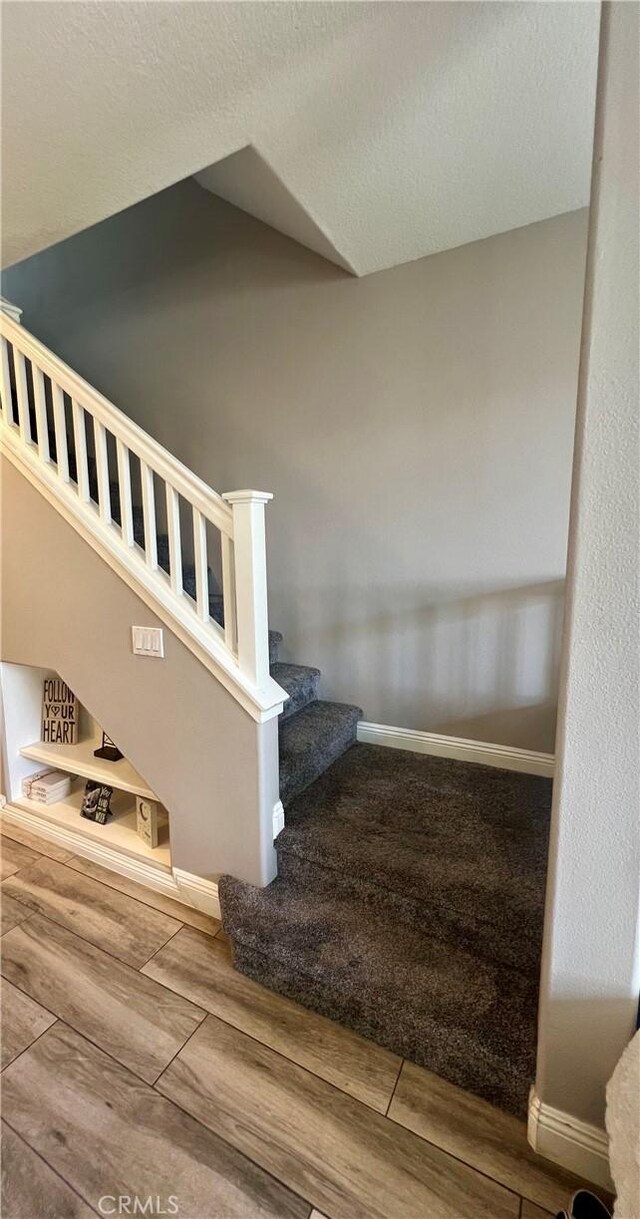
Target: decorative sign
{"x": 108, "y": 750}
{"x": 59, "y": 713}
{"x": 97, "y": 798}
{"x": 149, "y": 816}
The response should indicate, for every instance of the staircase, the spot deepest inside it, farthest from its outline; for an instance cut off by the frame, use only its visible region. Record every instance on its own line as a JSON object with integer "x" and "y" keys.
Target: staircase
{"x": 409, "y": 905}
{"x": 164, "y": 531}
{"x": 312, "y": 733}
{"x": 409, "y": 897}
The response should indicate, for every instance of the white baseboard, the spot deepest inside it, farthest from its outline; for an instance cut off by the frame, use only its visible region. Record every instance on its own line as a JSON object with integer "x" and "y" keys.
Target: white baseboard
{"x": 184, "y": 887}
{"x": 574, "y": 1145}
{"x": 198, "y": 892}
{"x": 505, "y": 757}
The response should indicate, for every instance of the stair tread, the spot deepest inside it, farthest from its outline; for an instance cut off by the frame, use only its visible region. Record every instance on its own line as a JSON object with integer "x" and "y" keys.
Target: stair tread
{"x": 300, "y": 682}
{"x": 317, "y": 718}
{"x": 442, "y": 841}
{"x": 293, "y": 672}
{"x": 311, "y": 740}
{"x": 467, "y": 1018}
{"x": 515, "y": 940}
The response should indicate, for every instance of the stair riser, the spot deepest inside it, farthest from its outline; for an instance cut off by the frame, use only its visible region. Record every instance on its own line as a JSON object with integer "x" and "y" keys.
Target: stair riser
{"x": 448, "y": 1052}
{"x": 308, "y": 769}
{"x": 304, "y": 694}
{"x": 515, "y": 944}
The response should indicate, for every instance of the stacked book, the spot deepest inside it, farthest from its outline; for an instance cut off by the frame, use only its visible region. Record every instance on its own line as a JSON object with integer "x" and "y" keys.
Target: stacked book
{"x": 47, "y": 786}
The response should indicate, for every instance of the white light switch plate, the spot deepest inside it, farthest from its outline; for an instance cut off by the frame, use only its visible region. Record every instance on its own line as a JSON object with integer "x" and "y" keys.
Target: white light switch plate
{"x": 148, "y": 641}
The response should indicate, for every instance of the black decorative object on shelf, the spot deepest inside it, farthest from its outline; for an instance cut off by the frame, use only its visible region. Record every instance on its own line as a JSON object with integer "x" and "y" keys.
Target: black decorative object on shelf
{"x": 108, "y": 750}
{"x": 97, "y": 798}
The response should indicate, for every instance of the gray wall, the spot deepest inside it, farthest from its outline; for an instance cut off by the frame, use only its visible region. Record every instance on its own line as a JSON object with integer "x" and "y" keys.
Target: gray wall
{"x": 415, "y": 426}
{"x": 591, "y": 959}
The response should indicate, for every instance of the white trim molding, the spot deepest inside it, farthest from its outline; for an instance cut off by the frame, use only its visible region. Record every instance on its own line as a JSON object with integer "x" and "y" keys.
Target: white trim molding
{"x": 185, "y": 887}
{"x": 278, "y": 818}
{"x": 575, "y": 1145}
{"x": 197, "y": 891}
{"x": 505, "y": 757}
{"x": 238, "y": 654}
{"x": 261, "y": 704}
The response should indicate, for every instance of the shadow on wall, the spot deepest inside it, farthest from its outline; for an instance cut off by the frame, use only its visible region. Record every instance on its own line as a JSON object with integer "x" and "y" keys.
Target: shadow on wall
{"x": 486, "y": 662}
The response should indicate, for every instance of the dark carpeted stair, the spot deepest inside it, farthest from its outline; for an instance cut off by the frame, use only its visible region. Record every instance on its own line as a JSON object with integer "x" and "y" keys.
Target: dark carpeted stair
{"x": 464, "y": 1017}
{"x": 456, "y": 850}
{"x": 300, "y": 682}
{"x": 275, "y": 639}
{"x": 310, "y": 741}
{"x": 409, "y": 906}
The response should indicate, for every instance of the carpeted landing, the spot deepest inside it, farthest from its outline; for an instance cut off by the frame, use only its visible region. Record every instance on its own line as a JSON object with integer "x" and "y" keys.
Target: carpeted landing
{"x": 409, "y": 906}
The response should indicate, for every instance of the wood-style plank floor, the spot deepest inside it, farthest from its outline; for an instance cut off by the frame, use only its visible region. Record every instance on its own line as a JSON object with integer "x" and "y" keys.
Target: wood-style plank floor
{"x": 138, "y": 1063}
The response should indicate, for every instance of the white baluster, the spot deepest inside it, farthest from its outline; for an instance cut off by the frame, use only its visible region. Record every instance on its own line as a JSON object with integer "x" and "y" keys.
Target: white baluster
{"x": 7, "y": 409}
{"x": 149, "y": 516}
{"x": 30, "y": 418}
{"x": 175, "y": 541}
{"x": 251, "y": 582}
{"x": 23, "y": 397}
{"x": 102, "y": 468}
{"x": 42, "y": 427}
{"x": 80, "y": 445}
{"x": 229, "y": 593}
{"x": 124, "y": 488}
{"x": 201, "y": 565}
{"x": 60, "y": 427}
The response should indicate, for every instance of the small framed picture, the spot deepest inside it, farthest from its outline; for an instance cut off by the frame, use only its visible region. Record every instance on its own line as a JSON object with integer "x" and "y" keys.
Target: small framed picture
{"x": 96, "y": 802}
{"x": 148, "y": 817}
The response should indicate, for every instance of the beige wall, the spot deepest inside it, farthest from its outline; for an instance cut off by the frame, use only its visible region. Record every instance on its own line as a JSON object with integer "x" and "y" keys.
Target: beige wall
{"x": 415, "y": 427}
{"x": 209, "y": 763}
{"x": 591, "y": 961}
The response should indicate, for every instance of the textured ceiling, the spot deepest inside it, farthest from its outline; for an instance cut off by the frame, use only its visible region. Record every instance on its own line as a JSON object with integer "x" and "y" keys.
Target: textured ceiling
{"x": 378, "y": 132}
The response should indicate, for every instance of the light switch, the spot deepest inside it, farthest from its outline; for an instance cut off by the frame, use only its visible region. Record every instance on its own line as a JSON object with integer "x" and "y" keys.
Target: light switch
{"x": 148, "y": 641}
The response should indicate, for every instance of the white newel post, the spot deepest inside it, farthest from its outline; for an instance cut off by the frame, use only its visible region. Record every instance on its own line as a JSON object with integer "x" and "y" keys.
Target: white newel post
{"x": 238, "y": 655}
{"x": 251, "y": 582}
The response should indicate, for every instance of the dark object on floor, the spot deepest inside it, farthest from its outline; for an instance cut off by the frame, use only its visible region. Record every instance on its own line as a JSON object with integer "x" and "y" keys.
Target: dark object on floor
{"x": 585, "y": 1205}
{"x": 409, "y": 906}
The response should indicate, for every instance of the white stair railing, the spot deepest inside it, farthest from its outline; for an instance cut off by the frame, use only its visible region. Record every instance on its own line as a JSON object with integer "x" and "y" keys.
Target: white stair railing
{"x": 118, "y": 486}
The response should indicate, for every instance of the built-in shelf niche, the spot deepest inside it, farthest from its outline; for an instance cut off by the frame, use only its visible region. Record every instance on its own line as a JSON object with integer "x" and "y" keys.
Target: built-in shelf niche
{"x": 24, "y": 753}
